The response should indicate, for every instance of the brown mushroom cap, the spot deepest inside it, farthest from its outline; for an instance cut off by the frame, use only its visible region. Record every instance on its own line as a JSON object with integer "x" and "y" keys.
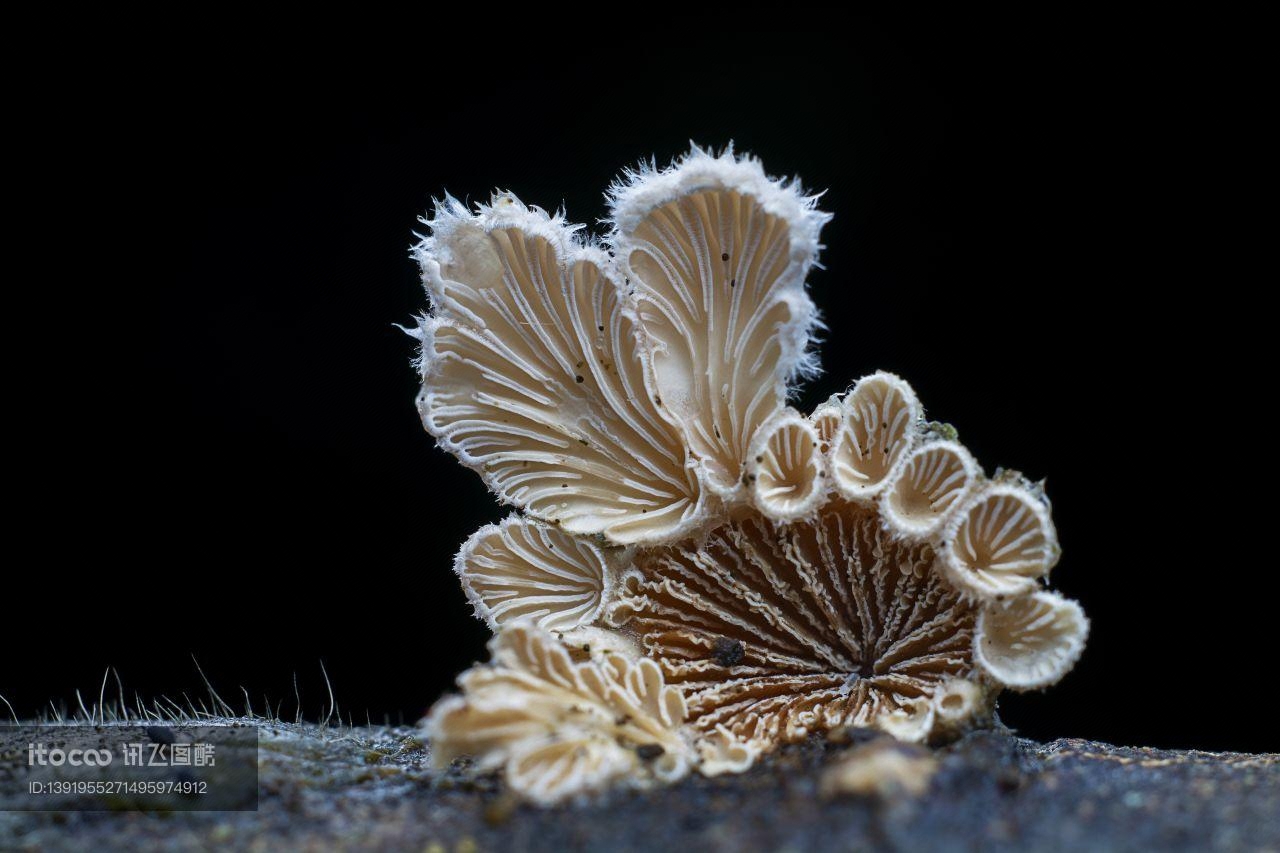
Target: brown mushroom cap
{"x": 776, "y": 632}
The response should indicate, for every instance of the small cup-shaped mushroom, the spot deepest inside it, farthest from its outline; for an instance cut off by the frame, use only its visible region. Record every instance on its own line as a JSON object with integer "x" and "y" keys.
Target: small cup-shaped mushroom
{"x": 934, "y": 480}
{"x": 911, "y": 723}
{"x": 957, "y": 706}
{"x": 785, "y": 470}
{"x": 1031, "y": 641}
{"x": 523, "y": 569}
{"x": 1000, "y": 542}
{"x": 880, "y": 416}
{"x": 826, "y": 420}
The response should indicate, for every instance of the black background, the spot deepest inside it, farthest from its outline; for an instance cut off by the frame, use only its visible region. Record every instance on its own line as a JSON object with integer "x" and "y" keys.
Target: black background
{"x": 1035, "y": 224}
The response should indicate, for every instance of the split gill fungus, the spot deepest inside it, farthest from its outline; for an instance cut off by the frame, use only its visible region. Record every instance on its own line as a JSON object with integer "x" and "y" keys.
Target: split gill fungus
{"x": 695, "y": 572}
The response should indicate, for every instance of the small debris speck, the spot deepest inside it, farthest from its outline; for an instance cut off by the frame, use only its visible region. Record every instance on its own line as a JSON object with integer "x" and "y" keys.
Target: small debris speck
{"x": 728, "y": 652}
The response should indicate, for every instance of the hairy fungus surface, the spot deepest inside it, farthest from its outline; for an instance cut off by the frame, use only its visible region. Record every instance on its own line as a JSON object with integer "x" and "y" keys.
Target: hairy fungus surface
{"x": 702, "y": 573}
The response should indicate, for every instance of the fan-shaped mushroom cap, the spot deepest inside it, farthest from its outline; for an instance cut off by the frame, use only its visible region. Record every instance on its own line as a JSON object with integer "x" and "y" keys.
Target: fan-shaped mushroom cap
{"x": 785, "y": 468}
{"x": 717, "y": 253}
{"x": 779, "y": 632}
{"x": 531, "y": 377}
{"x": 561, "y": 728}
{"x": 879, "y": 427}
{"x": 933, "y": 480}
{"x": 1032, "y": 641}
{"x": 523, "y": 569}
{"x": 912, "y": 722}
{"x": 1000, "y": 542}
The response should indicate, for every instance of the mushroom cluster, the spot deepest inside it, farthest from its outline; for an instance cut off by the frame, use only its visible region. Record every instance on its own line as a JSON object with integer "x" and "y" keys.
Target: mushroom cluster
{"x": 697, "y": 572}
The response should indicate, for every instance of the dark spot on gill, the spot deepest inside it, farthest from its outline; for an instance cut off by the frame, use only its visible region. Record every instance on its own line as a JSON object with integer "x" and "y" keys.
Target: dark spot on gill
{"x": 728, "y": 652}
